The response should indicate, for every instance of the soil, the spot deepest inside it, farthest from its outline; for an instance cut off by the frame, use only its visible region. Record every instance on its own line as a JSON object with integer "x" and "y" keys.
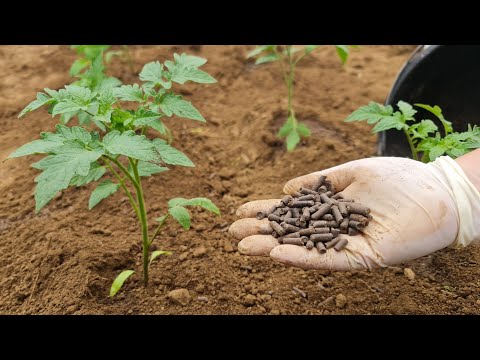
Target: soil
{"x": 64, "y": 260}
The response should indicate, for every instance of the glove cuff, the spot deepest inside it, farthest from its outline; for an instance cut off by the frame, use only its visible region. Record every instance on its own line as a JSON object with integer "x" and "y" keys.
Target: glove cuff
{"x": 466, "y": 198}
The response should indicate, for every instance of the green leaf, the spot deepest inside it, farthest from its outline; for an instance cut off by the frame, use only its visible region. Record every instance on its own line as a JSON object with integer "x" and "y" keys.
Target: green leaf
{"x": 131, "y": 145}
{"x": 129, "y": 93}
{"x": 436, "y": 151}
{"x": 259, "y": 49}
{"x": 286, "y": 128}
{"x": 437, "y": 111}
{"x": 156, "y": 254}
{"x": 189, "y": 60}
{"x": 147, "y": 169}
{"x": 205, "y": 203}
{"x": 390, "y": 122}
{"x": 102, "y": 191}
{"x": 266, "y": 59}
{"x": 154, "y": 73}
{"x": 456, "y": 152}
{"x": 145, "y": 117}
{"x": 174, "y": 104}
{"x": 66, "y": 106}
{"x": 423, "y": 128}
{"x": 342, "y": 51}
{"x": 109, "y": 82}
{"x": 181, "y": 215}
{"x": 119, "y": 280}
{"x": 66, "y": 117}
{"x": 95, "y": 173}
{"x": 407, "y": 110}
{"x": 67, "y": 161}
{"x": 293, "y": 138}
{"x": 41, "y": 146}
{"x": 303, "y": 130}
{"x": 310, "y": 48}
{"x": 185, "y": 68}
{"x": 170, "y": 155}
{"x": 162, "y": 218}
{"x": 372, "y": 113}
{"x": 78, "y": 65}
{"x": 42, "y": 99}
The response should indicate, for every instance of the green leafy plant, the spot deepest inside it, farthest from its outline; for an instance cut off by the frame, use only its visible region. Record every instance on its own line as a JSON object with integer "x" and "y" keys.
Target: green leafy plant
{"x": 289, "y": 56}
{"x": 89, "y": 68}
{"x": 423, "y": 136}
{"x": 76, "y": 156}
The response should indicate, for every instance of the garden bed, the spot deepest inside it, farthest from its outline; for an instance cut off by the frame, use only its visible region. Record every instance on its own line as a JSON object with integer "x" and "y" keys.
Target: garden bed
{"x": 64, "y": 260}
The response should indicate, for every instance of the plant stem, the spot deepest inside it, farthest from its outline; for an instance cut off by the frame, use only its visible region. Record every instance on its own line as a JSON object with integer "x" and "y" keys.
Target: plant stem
{"x": 158, "y": 228}
{"x": 412, "y": 147}
{"x": 124, "y": 170}
{"x": 124, "y": 187}
{"x": 143, "y": 220}
{"x": 291, "y": 76}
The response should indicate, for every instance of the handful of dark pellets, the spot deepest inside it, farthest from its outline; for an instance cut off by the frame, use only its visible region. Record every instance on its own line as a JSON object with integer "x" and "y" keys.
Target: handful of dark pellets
{"x": 316, "y": 217}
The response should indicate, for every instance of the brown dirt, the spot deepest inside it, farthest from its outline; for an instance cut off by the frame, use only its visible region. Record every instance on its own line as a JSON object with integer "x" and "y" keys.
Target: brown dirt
{"x": 63, "y": 261}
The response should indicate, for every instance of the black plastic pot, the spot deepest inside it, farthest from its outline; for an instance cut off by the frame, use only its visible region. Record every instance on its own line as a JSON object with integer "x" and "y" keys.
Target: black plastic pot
{"x": 443, "y": 75}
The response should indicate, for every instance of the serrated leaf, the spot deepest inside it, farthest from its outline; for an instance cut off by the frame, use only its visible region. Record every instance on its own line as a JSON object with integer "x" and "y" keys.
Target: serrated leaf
{"x": 436, "y": 151}
{"x": 119, "y": 280}
{"x": 205, "y": 203}
{"x": 372, "y": 113}
{"x": 156, "y": 254}
{"x": 189, "y": 60}
{"x": 129, "y": 93}
{"x": 102, "y": 191}
{"x": 41, "y": 146}
{"x": 181, "y": 215}
{"x": 292, "y": 140}
{"x": 174, "y": 104}
{"x": 65, "y": 107}
{"x": 108, "y": 82}
{"x": 95, "y": 173}
{"x": 303, "y": 130}
{"x": 407, "y": 110}
{"x": 170, "y": 155}
{"x": 437, "y": 111}
{"x": 144, "y": 117}
{"x": 42, "y": 99}
{"x": 131, "y": 145}
{"x": 389, "y": 122}
{"x": 154, "y": 73}
{"x": 456, "y": 152}
{"x": 147, "y": 169}
{"x": 78, "y": 65}
{"x": 342, "y": 51}
{"x": 423, "y": 128}
{"x": 185, "y": 68}
{"x": 67, "y": 161}
{"x": 266, "y": 59}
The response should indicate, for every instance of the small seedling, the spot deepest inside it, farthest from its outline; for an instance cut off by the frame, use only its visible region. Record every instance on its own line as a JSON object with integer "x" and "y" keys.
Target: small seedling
{"x": 76, "y": 157}
{"x": 289, "y": 56}
{"x": 424, "y": 137}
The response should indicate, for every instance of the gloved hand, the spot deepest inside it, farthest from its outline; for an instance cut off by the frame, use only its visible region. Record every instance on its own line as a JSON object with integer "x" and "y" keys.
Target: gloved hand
{"x": 417, "y": 209}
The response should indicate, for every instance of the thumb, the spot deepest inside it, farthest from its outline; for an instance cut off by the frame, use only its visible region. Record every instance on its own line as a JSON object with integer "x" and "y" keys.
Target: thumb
{"x": 340, "y": 176}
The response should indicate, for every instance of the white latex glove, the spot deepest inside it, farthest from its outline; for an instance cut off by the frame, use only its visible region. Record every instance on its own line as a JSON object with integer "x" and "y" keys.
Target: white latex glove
{"x": 417, "y": 209}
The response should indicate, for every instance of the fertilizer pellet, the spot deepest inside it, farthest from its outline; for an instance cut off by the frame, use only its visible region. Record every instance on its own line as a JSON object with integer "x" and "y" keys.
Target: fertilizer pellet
{"x": 320, "y": 181}
{"x": 321, "y": 247}
{"x": 273, "y": 217}
{"x": 321, "y": 237}
{"x": 332, "y": 243}
{"x": 328, "y": 217}
{"x": 336, "y": 214}
{"x": 341, "y": 244}
{"x": 315, "y": 217}
{"x": 277, "y": 228}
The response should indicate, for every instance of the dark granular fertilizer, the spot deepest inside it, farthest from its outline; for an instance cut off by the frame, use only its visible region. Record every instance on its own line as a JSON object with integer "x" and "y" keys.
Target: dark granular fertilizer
{"x": 317, "y": 218}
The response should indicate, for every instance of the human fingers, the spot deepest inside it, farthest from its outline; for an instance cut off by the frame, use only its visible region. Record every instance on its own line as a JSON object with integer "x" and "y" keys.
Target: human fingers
{"x": 250, "y": 209}
{"x": 249, "y": 226}
{"x": 257, "y": 245}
